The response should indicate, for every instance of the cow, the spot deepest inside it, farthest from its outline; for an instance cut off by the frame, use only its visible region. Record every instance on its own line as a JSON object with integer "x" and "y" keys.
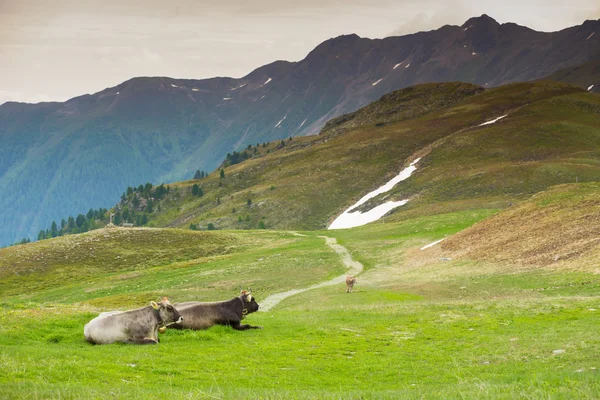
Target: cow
{"x": 138, "y": 326}
{"x": 200, "y": 315}
{"x": 350, "y": 281}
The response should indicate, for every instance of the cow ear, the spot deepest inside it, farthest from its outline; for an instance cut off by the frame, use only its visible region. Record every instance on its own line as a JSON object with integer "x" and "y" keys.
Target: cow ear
{"x": 248, "y": 298}
{"x": 154, "y": 305}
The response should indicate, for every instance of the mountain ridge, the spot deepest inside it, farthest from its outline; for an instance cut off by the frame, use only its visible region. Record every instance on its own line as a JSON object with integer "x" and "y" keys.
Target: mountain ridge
{"x": 162, "y": 129}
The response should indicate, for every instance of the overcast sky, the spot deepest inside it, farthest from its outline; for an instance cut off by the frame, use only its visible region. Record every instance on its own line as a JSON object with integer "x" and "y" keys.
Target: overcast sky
{"x": 58, "y": 49}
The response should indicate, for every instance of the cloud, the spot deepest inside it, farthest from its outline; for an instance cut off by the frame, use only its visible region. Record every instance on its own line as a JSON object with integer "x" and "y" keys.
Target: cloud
{"x": 150, "y": 55}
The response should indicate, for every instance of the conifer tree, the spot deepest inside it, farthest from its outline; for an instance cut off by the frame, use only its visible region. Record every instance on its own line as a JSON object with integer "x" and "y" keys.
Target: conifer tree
{"x": 149, "y": 208}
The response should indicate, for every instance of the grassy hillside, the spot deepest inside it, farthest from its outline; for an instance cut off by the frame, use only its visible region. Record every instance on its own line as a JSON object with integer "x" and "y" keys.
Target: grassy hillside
{"x": 557, "y": 229}
{"x": 415, "y": 327}
{"x": 546, "y": 142}
{"x": 110, "y": 264}
{"x": 547, "y": 138}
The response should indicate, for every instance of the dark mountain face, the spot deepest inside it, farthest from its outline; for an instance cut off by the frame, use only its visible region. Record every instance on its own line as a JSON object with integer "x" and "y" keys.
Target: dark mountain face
{"x": 586, "y": 76}
{"x": 59, "y": 159}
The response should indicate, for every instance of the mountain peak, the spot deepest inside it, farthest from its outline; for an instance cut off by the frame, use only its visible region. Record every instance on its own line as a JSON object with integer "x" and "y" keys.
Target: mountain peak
{"x": 484, "y": 19}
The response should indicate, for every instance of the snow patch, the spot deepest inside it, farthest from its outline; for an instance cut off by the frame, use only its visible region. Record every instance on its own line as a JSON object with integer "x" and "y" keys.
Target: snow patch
{"x": 397, "y": 65}
{"x": 432, "y": 244}
{"x": 174, "y": 85}
{"x": 195, "y": 90}
{"x": 226, "y": 98}
{"x": 590, "y": 36}
{"x": 375, "y": 83}
{"x": 492, "y": 121}
{"x": 467, "y": 28}
{"x": 302, "y": 123}
{"x": 268, "y": 80}
{"x": 349, "y": 219}
{"x": 408, "y": 65}
{"x": 279, "y": 123}
{"x": 239, "y": 87}
{"x": 588, "y": 89}
{"x": 473, "y": 54}
{"x": 120, "y": 92}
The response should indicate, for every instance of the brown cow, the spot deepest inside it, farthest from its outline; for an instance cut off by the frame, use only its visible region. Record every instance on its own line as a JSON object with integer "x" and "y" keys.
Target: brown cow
{"x": 350, "y": 281}
{"x": 199, "y": 315}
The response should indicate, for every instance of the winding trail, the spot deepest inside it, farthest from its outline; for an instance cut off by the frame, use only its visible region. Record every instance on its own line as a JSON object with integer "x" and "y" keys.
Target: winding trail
{"x": 354, "y": 268}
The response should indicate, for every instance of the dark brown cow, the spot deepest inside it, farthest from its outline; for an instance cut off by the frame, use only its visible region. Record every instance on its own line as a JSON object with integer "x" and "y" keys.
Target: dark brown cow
{"x": 199, "y": 315}
{"x": 135, "y": 326}
{"x": 350, "y": 281}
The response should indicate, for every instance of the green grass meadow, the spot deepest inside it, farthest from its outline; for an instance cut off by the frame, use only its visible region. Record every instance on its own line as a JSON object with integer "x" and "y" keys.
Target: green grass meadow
{"x": 416, "y": 326}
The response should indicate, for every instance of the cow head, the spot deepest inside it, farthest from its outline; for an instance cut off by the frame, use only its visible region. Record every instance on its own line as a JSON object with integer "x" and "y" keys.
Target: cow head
{"x": 166, "y": 312}
{"x": 250, "y": 304}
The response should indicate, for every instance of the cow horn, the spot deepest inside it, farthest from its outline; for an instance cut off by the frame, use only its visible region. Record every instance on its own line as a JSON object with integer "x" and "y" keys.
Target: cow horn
{"x": 154, "y": 305}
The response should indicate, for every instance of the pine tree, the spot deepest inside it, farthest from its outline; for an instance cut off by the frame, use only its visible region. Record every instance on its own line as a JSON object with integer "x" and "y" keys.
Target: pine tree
{"x": 80, "y": 220}
{"x": 261, "y": 225}
{"x": 197, "y": 175}
{"x": 222, "y": 173}
{"x": 149, "y": 206}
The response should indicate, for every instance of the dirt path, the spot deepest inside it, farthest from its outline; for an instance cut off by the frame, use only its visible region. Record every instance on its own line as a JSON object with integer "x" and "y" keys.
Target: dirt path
{"x": 354, "y": 268}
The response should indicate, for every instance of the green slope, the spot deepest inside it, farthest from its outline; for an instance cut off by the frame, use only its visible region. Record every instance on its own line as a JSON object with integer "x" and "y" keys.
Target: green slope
{"x": 549, "y": 137}
{"x": 414, "y": 327}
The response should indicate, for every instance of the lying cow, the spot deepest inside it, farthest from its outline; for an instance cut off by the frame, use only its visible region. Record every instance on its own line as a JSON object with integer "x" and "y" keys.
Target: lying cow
{"x": 198, "y": 315}
{"x": 135, "y": 326}
{"x": 350, "y": 281}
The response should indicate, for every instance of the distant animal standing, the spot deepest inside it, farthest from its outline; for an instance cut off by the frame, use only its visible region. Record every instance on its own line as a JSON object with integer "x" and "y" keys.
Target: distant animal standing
{"x": 350, "y": 281}
{"x": 138, "y": 326}
{"x": 202, "y": 315}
